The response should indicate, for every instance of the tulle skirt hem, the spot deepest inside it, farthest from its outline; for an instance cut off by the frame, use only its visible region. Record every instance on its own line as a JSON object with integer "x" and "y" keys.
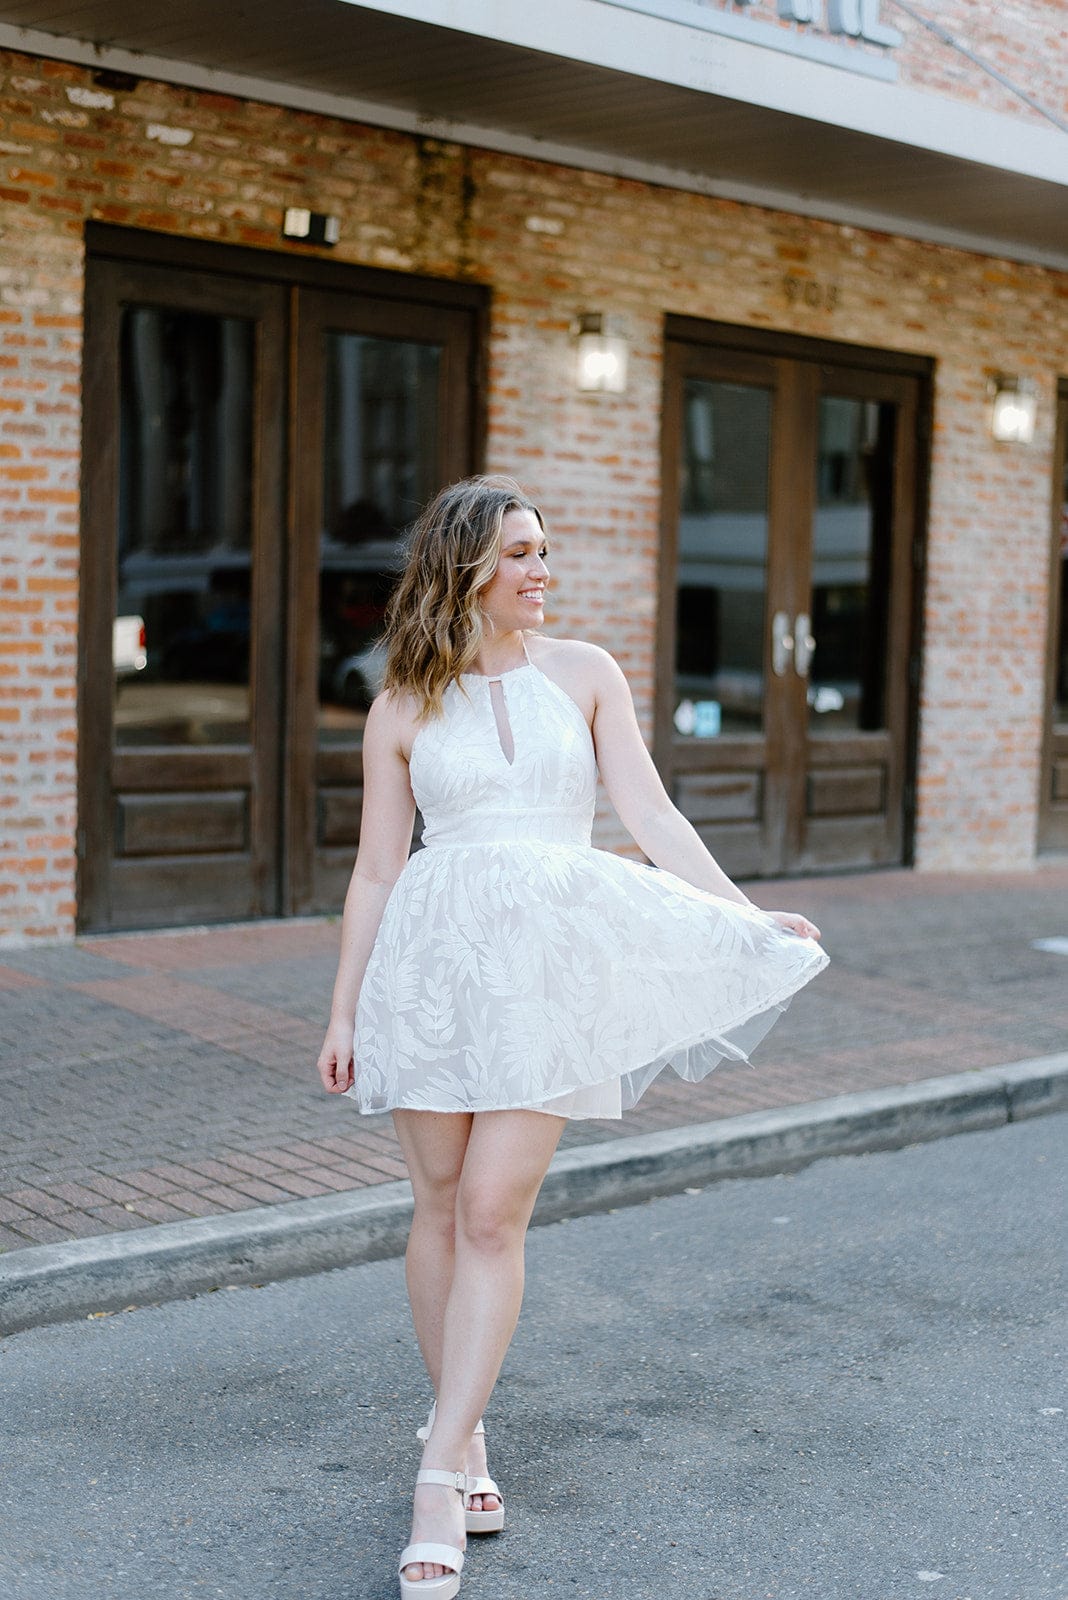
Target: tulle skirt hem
{"x": 691, "y": 1060}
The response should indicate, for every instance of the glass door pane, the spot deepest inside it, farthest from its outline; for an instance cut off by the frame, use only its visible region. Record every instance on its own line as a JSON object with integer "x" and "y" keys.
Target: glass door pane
{"x": 1053, "y": 802}
{"x": 721, "y": 593}
{"x": 1060, "y": 668}
{"x": 851, "y": 563}
{"x": 181, "y": 629}
{"x": 380, "y": 466}
{"x": 384, "y": 397}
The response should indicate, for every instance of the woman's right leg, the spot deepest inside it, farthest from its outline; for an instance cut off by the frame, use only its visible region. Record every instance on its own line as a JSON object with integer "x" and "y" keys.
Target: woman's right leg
{"x": 433, "y": 1144}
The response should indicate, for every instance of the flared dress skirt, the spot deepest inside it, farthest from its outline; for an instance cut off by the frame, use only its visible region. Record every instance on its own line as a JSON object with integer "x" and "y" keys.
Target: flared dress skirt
{"x": 517, "y": 966}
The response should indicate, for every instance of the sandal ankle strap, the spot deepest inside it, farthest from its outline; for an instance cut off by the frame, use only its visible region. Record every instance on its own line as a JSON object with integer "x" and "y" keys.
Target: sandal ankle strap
{"x": 451, "y": 1480}
{"x": 425, "y": 1431}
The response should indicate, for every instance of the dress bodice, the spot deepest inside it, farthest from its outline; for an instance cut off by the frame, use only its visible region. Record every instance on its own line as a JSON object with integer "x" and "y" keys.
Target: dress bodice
{"x": 470, "y": 793}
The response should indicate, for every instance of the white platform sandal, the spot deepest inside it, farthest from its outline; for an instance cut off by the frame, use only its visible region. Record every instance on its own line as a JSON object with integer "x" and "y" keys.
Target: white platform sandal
{"x": 442, "y": 1555}
{"x": 475, "y": 1521}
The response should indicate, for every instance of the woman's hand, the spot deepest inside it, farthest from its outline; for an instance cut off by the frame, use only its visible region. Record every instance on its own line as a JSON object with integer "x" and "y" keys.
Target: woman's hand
{"x": 794, "y": 922}
{"x": 335, "y": 1058}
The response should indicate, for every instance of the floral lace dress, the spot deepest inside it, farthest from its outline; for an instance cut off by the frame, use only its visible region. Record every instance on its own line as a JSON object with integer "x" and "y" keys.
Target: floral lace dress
{"x": 517, "y": 966}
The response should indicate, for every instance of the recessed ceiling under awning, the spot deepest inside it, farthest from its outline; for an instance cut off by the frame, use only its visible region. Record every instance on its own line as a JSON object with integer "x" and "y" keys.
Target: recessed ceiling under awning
{"x": 377, "y": 67}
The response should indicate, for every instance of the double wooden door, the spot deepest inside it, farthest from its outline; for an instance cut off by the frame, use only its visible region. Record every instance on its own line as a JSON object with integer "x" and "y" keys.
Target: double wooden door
{"x": 257, "y": 436}
{"x": 1053, "y": 800}
{"x": 788, "y": 652}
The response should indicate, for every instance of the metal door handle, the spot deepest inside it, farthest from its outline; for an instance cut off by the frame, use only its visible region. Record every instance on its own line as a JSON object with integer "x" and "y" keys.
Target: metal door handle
{"x": 804, "y": 644}
{"x": 782, "y": 643}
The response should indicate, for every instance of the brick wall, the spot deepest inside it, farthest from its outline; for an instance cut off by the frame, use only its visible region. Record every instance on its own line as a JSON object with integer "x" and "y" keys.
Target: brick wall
{"x": 550, "y": 241}
{"x": 1025, "y": 40}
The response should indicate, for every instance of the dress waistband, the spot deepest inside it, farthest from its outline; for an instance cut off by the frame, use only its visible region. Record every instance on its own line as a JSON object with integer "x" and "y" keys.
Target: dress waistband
{"x": 545, "y": 825}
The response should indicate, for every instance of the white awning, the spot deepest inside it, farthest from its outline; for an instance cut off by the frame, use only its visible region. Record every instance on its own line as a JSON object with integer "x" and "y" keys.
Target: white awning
{"x": 614, "y": 85}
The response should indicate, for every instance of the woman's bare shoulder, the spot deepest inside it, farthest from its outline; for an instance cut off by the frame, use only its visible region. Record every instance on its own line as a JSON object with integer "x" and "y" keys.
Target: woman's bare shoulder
{"x": 586, "y": 671}
{"x": 571, "y": 655}
{"x": 393, "y": 721}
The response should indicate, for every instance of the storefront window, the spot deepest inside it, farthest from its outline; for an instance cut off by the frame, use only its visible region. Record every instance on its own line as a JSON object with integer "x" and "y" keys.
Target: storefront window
{"x": 851, "y": 542}
{"x": 182, "y": 624}
{"x": 722, "y": 560}
{"x": 1060, "y": 685}
{"x": 380, "y": 465}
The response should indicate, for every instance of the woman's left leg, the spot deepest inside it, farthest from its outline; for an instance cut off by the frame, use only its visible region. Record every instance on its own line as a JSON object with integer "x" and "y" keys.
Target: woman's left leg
{"x": 507, "y": 1157}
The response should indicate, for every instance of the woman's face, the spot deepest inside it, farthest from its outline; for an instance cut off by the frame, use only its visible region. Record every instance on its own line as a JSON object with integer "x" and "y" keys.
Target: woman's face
{"x": 515, "y": 595}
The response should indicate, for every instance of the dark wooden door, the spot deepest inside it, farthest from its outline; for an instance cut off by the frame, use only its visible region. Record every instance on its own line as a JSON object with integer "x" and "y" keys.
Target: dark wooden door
{"x": 255, "y": 444}
{"x": 787, "y": 664}
{"x": 385, "y": 406}
{"x": 181, "y": 597}
{"x": 1053, "y": 808}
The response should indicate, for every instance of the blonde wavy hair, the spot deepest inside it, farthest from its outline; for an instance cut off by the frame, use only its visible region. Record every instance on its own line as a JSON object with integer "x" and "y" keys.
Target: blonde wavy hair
{"x": 434, "y": 623}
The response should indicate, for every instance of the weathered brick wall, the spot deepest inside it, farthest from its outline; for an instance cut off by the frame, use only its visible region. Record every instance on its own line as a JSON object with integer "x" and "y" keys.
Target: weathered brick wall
{"x": 551, "y": 241}
{"x": 1025, "y": 40}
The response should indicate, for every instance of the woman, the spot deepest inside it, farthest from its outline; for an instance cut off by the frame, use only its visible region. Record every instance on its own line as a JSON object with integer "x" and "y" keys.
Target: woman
{"x": 508, "y": 976}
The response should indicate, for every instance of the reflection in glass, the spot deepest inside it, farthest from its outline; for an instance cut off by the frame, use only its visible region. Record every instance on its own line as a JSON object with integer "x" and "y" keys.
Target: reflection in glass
{"x": 723, "y": 547}
{"x": 181, "y": 632}
{"x": 380, "y": 466}
{"x": 851, "y": 543}
{"x": 1060, "y": 688}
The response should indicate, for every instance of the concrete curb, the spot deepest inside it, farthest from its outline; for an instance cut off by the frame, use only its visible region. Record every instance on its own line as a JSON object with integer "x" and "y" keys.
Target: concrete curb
{"x": 57, "y": 1282}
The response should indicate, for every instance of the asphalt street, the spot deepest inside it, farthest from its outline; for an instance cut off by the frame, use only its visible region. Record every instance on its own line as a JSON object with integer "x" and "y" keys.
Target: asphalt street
{"x": 846, "y": 1384}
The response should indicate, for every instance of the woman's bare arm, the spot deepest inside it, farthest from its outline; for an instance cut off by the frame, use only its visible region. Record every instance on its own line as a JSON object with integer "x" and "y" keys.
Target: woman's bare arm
{"x": 643, "y": 804}
{"x": 385, "y": 839}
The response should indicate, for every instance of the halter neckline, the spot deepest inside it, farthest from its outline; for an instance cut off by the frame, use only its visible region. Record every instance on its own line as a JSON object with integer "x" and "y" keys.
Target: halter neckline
{"x": 495, "y": 677}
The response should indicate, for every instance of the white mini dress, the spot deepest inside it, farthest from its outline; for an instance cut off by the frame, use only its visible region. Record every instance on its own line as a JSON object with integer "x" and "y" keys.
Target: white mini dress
{"x": 516, "y": 966}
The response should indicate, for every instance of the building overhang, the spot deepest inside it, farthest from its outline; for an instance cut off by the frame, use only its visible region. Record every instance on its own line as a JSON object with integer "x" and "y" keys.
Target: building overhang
{"x": 669, "y": 91}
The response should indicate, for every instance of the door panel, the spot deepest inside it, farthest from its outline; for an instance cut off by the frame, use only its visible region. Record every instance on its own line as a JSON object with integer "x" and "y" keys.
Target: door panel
{"x": 384, "y": 415}
{"x": 1053, "y": 809}
{"x": 180, "y": 605}
{"x": 786, "y": 600}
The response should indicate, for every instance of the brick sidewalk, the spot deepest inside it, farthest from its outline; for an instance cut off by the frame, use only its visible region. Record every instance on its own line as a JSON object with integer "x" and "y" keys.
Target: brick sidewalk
{"x": 152, "y": 1077}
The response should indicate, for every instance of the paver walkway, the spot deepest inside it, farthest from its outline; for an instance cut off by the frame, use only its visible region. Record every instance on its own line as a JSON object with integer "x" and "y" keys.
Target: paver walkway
{"x": 150, "y": 1077}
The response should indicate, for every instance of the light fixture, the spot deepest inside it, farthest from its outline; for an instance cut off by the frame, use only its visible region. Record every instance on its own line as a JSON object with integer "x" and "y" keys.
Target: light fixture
{"x": 601, "y": 353}
{"x": 1015, "y": 405}
{"x": 312, "y": 227}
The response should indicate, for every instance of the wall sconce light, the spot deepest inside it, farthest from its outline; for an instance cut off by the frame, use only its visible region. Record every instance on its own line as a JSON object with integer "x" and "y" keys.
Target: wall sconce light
{"x": 601, "y": 353}
{"x": 1015, "y": 406}
{"x": 313, "y": 227}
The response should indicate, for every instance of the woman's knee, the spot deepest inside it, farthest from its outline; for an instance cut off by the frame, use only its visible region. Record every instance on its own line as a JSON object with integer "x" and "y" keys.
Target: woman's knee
{"x": 490, "y": 1220}
{"x": 435, "y": 1206}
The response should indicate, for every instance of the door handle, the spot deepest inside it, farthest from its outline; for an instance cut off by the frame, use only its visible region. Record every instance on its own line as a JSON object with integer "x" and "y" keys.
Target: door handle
{"x": 782, "y": 643}
{"x": 804, "y": 644}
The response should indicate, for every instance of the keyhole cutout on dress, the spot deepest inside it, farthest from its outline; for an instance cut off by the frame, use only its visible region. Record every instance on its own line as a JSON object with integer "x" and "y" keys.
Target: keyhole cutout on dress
{"x": 500, "y": 717}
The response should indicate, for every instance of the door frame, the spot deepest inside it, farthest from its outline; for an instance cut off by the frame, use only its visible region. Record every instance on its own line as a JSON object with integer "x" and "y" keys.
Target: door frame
{"x": 242, "y": 274}
{"x": 732, "y": 341}
{"x": 1053, "y": 813}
